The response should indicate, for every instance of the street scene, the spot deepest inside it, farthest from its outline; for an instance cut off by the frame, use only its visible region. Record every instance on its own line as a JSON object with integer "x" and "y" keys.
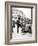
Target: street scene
{"x": 21, "y": 23}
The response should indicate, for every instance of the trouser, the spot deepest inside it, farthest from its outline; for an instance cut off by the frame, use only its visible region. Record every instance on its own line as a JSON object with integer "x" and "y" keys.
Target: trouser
{"x": 17, "y": 29}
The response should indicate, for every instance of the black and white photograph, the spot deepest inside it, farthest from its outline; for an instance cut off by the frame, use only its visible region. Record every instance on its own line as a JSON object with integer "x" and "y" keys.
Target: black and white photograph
{"x": 21, "y": 22}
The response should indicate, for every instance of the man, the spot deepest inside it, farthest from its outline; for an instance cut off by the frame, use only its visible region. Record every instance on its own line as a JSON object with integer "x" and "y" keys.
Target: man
{"x": 18, "y": 24}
